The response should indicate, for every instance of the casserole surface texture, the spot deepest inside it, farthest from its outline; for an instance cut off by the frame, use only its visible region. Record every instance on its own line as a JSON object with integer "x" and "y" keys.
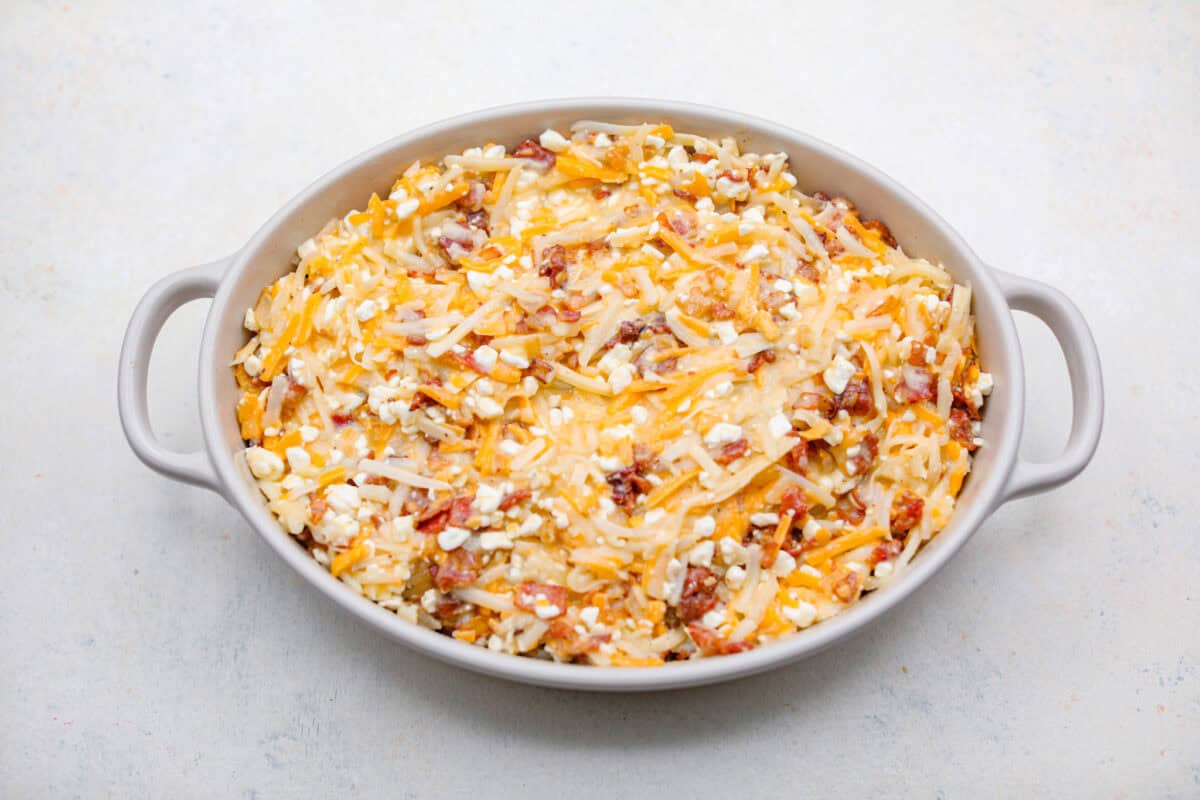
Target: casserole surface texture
{"x": 616, "y": 395}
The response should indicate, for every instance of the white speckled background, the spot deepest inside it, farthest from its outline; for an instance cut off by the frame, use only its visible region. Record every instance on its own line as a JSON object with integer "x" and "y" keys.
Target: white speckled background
{"x": 151, "y": 646}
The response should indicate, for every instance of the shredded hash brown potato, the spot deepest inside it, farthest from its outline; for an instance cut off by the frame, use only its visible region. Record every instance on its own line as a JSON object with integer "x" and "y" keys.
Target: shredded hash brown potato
{"x": 618, "y": 396}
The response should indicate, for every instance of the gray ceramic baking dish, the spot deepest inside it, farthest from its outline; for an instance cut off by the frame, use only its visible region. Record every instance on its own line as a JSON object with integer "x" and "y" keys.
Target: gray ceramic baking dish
{"x": 233, "y": 283}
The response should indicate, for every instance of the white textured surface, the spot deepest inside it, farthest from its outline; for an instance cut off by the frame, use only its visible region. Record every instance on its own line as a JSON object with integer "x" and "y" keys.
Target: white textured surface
{"x": 151, "y": 646}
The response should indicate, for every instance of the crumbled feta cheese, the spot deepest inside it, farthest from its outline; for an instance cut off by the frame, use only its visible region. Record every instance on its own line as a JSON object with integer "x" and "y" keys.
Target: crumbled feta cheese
{"x": 253, "y": 365}
{"x": 802, "y": 614}
{"x": 756, "y": 252}
{"x": 452, "y": 537}
{"x": 366, "y": 310}
{"x": 590, "y": 616}
{"x": 308, "y": 433}
{"x": 784, "y": 564}
{"x": 884, "y": 569}
{"x": 620, "y": 378}
{"x": 298, "y": 459}
{"x": 480, "y": 282}
{"x": 720, "y": 390}
{"x": 547, "y": 610}
{"x": 509, "y": 447}
{"x": 654, "y": 517}
{"x": 838, "y": 374}
{"x": 726, "y": 333}
{"x": 702, "y": 553}
{"x": 485, "y": 357}
{"x": 763, "y": 519}
{"x": 639, "y": 415}
{"x": 430, "y": 600}
{"x": 810, "y": 529}
{"x": 406, "y": 208}
{"x": 487, "y": 408}
{"x": 553, "y": 141}
{"x": 517, "y": 360}
{"x": 722, "y": 433}
{"x": 343, "y": 498}
{"x": 609, "y": 463}
{"x": 494, "y": 540}
{"x": 676, "y": 574}
{"x": 704, "y": 526}
{"x": 735, "y": 576}
{"x": 264, "y": 464}
{"x": 531, "y": 525}
{"x": 779, "y": 425}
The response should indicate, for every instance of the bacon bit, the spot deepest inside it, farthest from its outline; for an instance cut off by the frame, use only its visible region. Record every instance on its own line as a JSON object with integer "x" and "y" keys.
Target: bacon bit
{"x": 760, "y": 358}
{"x": 849, "y": 509}
{"x": 916, "y": 384}
{"x": 682, "y": 195}
{"x": 721, "y": 310}
{"x": 541, "y": 369}
{"x": 479, "y": 219}
{"x": 627, "y": 483}
{"x": 528, "y": 591}
{"x": 341, "y": 420}
{"x": 291, "y": 398}
{"x": 644, "y": 459}
{"x": 796, "y": 459}
{"x": 317, "y": 508}
{"x": 732, "y": 451}
{"x": 628, "y": 333}
{"x": 823, "y": 404}
{"x": 448, "y": 511}
{"x": 906, "y": 513}
{"x": 833, "y": 245}
{"x": 458, "y": 570}
{"x": 535, "y": 152}
{"x": 889, "y": 549}
{"x": 683, "y": 223}
{"x": 600, "y": 193}
{"x": 710, "y": 643}
{"x": 568, "y": 645}
{"x": 795, "y": 502}
{"x": 960, "y": 429}
{"x": 554, "y": 264}
{"x": 884, "y": 233}
{"x": 699, "y": 593}
{"x": 473, "y": 199}
{"x": 569, "y": 315}
{"x": 857, "y": 398}
{"x": 861, "y": 461}
{"x": 848, "y": 587}
{"x": 809, "y": 272}
{"x": 512, "y": 498}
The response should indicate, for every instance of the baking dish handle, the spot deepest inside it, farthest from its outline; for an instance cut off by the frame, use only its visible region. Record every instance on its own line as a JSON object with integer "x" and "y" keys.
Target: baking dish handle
{"x": 160, "y": 302}
{"x": 1087, "y": 389}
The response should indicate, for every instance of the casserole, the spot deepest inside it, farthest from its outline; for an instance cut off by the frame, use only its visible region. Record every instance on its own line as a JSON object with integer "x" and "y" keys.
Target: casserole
{"x": 998, "y": 475}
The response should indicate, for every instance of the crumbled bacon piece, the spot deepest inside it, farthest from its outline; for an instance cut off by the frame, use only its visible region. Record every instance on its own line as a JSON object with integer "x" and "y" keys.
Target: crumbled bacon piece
{"x": 760, "y": 358}
{"x": 879, "y": 227}
{"x": 796, "y": 459}
{"x": 535, "y": 152}
{"x": 699, "y": 593}
{"x": 721, "y": 310}
{"x": 916, "y": 384}
{"x": 848, "y": 587}
{"x": 864, "y": 456}
{"x": 541, "y": 369}
{"x": 529, "y": 592}
{"x": 644, "y": 458}
{"x": 341, "y": 420}
{"x": 628, "y": 332}
{"x": 553, "y": 264}
{"x": 732, "y": 451}
{"x": 473, "y": 199}
{"x": 823, "y": 404}
{"x": 512, "y": 498}
{"x": 317, "y": 508}
{"x": 906, "y": 512}
{"x": 961, "y": 429}
{"x": 857, "y": 398}
{"x": 794, "y": 502}
{"x": 458, "y": 570}
{"x": 569, "y": 315}
{"x": 600, "y": 193}
{"x": 885, "y": 551}
{"x": 627, "y": 483}
{"x": 479, "y": 219}
{"x": 710, "y": 643}
{"x": 448, "y": 511}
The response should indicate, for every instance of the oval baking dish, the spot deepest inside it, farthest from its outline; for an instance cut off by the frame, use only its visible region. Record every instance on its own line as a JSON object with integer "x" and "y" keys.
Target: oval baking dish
{"x": 998, "y": 473}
